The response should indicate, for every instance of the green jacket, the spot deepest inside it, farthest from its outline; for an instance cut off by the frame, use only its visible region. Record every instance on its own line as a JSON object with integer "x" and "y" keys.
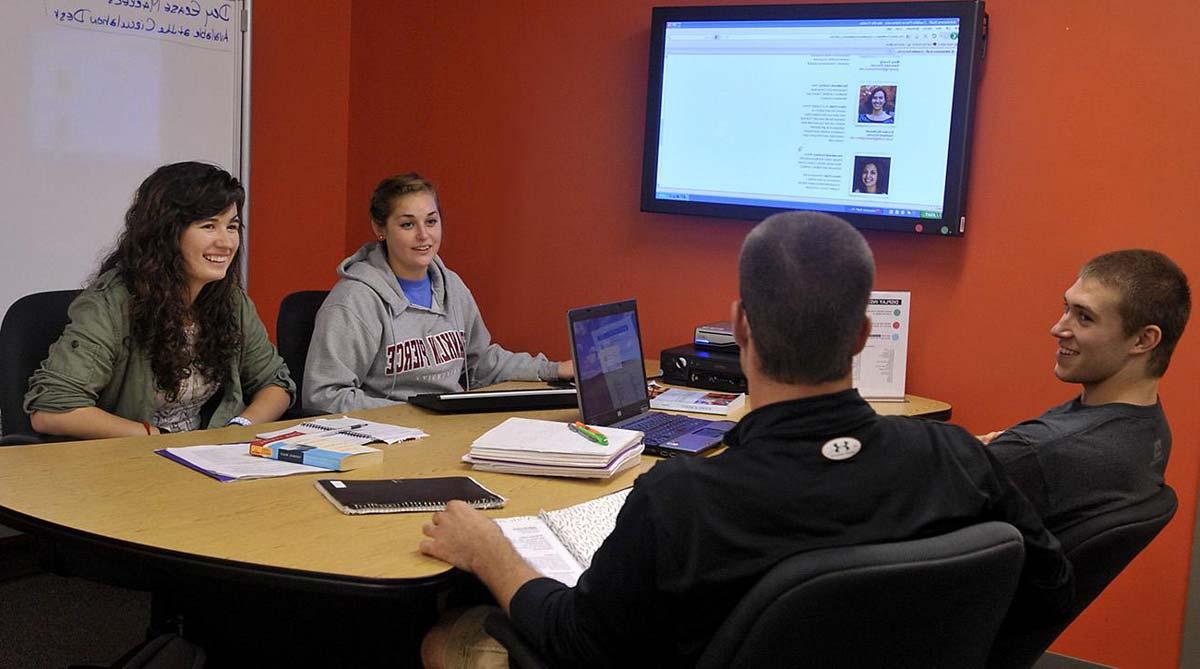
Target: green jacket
{"x": 95, "y": 362}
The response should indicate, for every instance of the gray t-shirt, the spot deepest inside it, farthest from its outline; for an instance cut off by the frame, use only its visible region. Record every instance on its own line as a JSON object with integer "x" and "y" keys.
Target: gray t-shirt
{"x": 1077, "y": 461}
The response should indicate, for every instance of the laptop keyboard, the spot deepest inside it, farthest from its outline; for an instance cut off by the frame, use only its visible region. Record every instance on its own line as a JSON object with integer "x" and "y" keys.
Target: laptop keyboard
{"x": 660, "y": 427}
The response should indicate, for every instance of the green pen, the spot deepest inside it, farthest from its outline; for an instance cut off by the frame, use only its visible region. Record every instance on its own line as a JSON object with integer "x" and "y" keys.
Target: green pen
{"x": 588, "y": 433}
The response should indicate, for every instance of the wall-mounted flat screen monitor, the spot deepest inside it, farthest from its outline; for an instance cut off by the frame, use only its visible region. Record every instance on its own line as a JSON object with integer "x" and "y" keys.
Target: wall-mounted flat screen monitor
{"x": 860, "y": 110}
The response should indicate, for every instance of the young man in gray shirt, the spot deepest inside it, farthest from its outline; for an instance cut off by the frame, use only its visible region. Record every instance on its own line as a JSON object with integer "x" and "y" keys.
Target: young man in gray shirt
{"x": 1107, "y": 448}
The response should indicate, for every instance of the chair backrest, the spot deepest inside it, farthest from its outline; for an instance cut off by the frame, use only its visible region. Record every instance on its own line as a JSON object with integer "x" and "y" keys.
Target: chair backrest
{"x": 30, "y": 326}
{"x": 293, "y": 332}
{"x": 933, "y": 602}
{"x": 1099, "y": 548}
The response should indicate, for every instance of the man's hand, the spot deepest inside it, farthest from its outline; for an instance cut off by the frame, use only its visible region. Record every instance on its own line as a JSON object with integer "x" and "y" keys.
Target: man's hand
{"x": 462, "y": 535}
{"x": 469, "y": 540}
{"x": 987, "y": 438}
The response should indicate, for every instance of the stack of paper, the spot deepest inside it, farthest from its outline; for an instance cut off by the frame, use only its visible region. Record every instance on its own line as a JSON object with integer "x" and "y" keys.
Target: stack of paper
{"x": 547, "y": 448}
{"x": 233, "y": 462}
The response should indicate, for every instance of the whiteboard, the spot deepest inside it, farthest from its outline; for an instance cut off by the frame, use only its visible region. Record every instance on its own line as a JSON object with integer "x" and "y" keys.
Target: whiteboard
{"x": 97, "y": 94}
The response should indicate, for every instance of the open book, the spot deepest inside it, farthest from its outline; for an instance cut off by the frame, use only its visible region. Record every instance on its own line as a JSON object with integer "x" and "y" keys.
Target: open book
{"x": 560, "y": 544}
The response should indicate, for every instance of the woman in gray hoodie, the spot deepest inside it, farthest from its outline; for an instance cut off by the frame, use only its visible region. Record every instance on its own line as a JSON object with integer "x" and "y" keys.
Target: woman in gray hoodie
{"x": 399, "y": 322}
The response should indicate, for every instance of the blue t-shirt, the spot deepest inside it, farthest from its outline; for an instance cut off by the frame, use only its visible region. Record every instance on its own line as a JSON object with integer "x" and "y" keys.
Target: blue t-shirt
{"x": 418, "y": 292}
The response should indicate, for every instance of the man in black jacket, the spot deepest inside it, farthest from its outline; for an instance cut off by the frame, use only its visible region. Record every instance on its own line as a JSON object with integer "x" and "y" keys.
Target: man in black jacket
{"x": 811, "y": 466}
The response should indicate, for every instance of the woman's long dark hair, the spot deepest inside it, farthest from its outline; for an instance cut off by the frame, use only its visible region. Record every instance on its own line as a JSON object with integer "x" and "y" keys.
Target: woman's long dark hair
{"x": 148, "y": 259}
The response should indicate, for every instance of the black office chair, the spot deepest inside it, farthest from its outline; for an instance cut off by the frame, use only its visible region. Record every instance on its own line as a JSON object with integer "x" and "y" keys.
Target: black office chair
{"x": 293, "y": 332}
{"x": 30, "y": 326}
{"x": 1099, "y": 549}
{"x": 933, "y": 602}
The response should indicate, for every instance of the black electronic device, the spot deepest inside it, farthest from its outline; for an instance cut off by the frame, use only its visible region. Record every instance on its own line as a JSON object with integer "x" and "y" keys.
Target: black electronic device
{"x": 862, "y": 110}
{"x": 481, "y": 401}
{"x": 689, "y": 365}
{"x": 718, "y": 335}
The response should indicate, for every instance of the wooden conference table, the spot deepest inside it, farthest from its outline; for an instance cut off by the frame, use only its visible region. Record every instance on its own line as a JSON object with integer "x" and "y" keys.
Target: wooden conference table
{"x": 137, "y": 519}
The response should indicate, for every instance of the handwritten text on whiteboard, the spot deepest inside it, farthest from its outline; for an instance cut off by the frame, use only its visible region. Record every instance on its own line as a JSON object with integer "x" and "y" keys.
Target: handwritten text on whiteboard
{"x": 202, "y": 23}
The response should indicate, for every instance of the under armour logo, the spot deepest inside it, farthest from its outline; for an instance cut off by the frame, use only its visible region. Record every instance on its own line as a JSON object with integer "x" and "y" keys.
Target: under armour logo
{"x": 841, "y": 448}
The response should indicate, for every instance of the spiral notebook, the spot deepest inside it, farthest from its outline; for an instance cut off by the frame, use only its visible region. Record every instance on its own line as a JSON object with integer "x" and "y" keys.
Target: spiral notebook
{"x": 401, "y": 495}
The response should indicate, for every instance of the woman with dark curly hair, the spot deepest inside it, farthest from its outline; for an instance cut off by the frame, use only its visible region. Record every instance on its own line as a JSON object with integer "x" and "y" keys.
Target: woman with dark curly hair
{"x": 165, "y": 339}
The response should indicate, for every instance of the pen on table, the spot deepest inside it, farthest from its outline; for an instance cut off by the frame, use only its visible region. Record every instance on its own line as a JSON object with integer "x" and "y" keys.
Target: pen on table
{"x": 350, "y": 428}
{"x": 330, "y": 433}
{"x": 588, "y": 433}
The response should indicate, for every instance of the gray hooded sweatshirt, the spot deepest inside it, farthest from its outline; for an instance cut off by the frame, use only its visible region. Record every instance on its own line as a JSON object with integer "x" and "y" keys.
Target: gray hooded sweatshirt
{"x": 371, "y": 347}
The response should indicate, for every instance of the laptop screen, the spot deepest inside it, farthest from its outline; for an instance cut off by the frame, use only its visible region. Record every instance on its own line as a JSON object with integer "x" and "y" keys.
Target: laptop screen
{"x": 610, "y": 374}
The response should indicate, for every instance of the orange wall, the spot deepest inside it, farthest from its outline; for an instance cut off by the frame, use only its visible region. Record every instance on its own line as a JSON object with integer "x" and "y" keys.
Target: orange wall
{"x": 529, "y": 117}
{"x": 300, "y": 100}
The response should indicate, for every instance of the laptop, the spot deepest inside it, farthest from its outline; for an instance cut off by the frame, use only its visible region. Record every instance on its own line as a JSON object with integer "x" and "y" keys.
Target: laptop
{"x": 610, "y": 379}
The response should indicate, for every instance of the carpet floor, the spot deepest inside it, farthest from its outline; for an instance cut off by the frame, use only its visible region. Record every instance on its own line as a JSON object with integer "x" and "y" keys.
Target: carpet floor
{"x": 51, "y": 621}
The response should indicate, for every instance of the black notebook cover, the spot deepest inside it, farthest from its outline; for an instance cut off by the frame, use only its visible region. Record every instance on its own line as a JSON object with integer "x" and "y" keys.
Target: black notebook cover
{"x": 399, "y": 495}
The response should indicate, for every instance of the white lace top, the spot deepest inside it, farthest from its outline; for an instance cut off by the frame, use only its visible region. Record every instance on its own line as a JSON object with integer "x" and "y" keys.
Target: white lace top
{"x": 195, "y": 389}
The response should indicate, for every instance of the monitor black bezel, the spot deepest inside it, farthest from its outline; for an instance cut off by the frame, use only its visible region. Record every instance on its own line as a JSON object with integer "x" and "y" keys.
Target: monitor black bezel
{"x": 972, "y": 42}
{"x": 592, "y": 415}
